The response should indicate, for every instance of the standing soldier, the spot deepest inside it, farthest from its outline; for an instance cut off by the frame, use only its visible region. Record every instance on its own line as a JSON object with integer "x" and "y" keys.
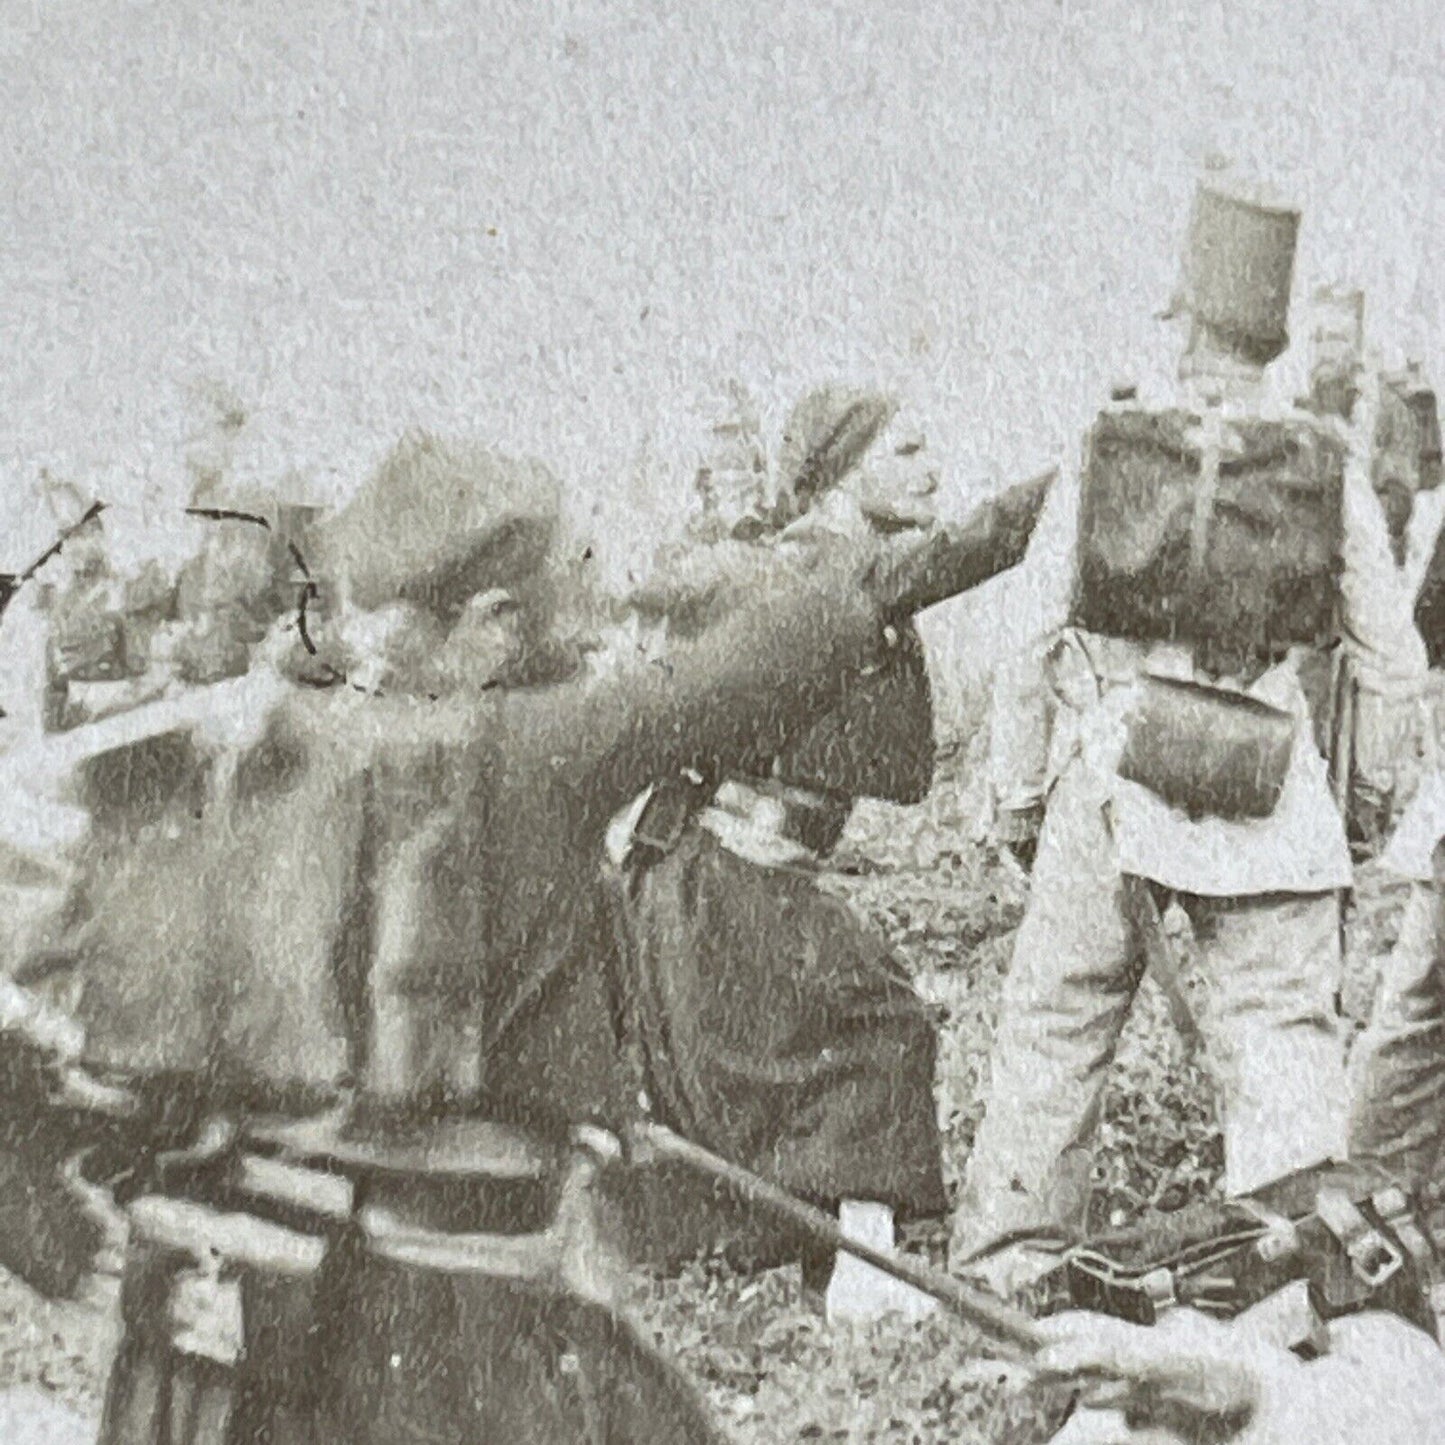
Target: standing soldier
{"x": 1375, "y": 695}
{"x": 1397, "y": 1066}
{"x": 373, "y": 931}
{"x": 1230, "y": 1380}
{"x": 1203, "y": 536}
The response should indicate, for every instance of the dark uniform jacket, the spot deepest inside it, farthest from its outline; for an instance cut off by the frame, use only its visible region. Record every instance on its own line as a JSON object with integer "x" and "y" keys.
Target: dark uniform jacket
{"x": 443, "y": 852}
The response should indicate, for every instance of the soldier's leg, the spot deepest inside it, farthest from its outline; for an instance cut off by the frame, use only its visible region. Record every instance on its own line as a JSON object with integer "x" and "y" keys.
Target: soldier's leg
{"x": 1273, "y": 968}
{"x": 1073, "y": 978}
{"x": 1397, "y": 1066}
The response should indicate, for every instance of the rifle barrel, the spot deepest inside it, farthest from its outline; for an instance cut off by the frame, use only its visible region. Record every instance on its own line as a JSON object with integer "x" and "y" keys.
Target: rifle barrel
{"x": 1009, "y": 1326}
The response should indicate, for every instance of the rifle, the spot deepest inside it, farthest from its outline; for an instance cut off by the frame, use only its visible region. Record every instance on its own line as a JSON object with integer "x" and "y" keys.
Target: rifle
{"x": 645, "y": 1141}
{"x": 12, "y": 582}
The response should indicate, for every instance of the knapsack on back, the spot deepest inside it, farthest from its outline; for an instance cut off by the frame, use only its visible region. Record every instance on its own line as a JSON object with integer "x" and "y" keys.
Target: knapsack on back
{"x": 1242, "y": 562}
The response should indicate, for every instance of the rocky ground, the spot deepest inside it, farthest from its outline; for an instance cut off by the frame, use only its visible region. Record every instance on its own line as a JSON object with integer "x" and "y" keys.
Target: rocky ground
{"x": 759, "y": 1351}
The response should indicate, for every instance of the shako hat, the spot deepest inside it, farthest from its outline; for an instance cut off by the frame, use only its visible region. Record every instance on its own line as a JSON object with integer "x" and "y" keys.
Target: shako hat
{"x": 1238, "y": 262}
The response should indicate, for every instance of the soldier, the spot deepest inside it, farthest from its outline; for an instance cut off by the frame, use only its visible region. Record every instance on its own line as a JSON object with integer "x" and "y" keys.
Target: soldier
{"x": 1377, "y": 692}
{"x": 33, "y": 838}
{"x": 1379, "y": 1376}
{"x": 792, "y": 1041}
{"x": 387, "y": 929}
{"x": 1397, "y": 1065}
{"x": 1184, "y": 763}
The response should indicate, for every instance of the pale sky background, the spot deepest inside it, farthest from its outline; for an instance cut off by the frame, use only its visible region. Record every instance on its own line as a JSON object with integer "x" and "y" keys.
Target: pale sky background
{"x": 564, "y": 225}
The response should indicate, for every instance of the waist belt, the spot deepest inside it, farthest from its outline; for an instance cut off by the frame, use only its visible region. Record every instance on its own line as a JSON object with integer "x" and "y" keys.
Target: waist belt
{"x": 244, "y": 1277}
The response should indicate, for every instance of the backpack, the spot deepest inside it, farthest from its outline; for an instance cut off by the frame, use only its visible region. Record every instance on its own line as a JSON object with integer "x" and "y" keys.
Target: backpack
{"x": 1242, "y": 561}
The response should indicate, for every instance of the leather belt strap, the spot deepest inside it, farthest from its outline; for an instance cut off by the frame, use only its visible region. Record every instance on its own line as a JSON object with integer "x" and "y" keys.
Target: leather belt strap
{"x": 1159, "y": 955}
{"x": 1373, "y": 1258}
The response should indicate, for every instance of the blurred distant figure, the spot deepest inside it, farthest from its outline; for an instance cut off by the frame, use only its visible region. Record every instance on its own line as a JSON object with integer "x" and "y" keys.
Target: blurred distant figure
{"x": 1377, "y": 700}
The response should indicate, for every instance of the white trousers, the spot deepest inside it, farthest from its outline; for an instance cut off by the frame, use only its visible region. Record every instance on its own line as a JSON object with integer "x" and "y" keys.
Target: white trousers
{"x": 1272, "y": 965}
{"x": 1397, "y": 1067}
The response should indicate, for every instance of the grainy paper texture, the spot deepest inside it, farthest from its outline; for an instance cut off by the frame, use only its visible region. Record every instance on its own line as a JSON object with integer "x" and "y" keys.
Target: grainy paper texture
{"x": 490, "y": 702}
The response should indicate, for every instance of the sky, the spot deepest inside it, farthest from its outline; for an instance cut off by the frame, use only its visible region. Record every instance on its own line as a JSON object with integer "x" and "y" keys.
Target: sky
{"x": 565, "y": 225}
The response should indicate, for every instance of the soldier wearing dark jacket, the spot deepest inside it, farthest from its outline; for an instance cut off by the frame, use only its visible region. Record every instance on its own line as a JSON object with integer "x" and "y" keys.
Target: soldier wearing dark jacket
{"x": 772, "y": 1025}
{"x": 382, "y": 913}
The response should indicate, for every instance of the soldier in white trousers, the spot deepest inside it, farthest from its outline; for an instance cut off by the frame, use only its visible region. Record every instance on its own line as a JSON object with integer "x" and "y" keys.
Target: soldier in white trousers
{"x": 1262, "y": 889}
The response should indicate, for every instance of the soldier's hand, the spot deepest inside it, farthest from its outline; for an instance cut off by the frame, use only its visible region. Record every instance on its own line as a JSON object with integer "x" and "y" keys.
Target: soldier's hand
{"x": 1188, "y": 1374}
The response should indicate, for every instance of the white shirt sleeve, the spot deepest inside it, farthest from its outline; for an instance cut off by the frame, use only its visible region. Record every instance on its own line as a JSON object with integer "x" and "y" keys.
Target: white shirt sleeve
{"x": 1022, "y": 715}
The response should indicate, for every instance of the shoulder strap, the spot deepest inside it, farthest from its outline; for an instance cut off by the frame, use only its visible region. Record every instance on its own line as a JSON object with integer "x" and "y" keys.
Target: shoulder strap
{"x": 1205, "y": 491}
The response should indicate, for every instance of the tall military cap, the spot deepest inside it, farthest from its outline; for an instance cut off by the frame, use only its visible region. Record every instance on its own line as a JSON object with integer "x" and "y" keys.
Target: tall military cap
{"x": 1238, "y": 262}
{"x": 439, "y": 521}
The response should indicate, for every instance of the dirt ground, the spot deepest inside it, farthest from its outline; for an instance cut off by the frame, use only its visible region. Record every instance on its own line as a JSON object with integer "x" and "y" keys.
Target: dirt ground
{"x": 759, "y": 1352}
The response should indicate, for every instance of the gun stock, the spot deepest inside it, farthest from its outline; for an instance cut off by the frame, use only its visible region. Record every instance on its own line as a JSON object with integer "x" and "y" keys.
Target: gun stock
{"x": 1011, "y": 1329}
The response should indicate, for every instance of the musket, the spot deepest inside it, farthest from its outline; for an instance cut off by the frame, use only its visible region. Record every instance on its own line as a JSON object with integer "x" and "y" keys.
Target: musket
{"x": 53, "y": 550}
{"x": 1010, "y": 1328}
{"x": 11, "y": 583}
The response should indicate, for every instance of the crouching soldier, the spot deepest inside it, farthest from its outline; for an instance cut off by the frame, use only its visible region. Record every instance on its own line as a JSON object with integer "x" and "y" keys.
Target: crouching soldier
{"x": 1197, "y": 549}
{"x": 790, "y": 1040}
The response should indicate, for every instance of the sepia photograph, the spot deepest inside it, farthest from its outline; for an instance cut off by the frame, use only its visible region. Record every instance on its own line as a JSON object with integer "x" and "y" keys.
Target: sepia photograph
{"x": 722, "y": 723}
